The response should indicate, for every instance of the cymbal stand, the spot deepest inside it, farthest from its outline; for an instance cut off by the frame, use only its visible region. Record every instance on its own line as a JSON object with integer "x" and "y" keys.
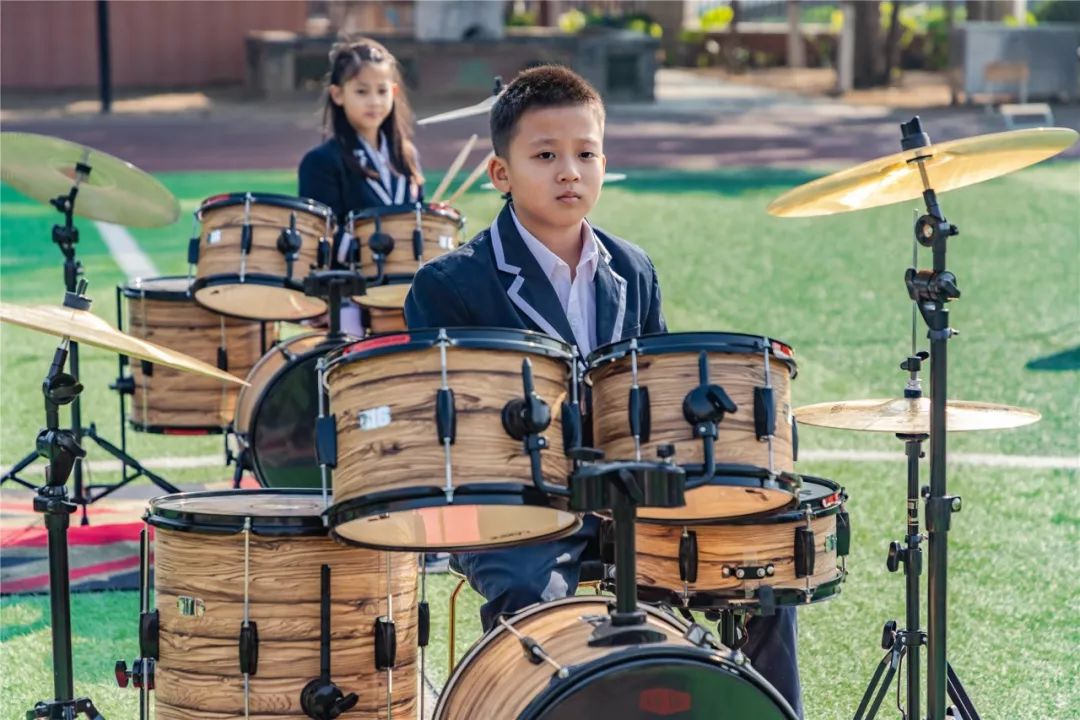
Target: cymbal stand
{"x": 66, "y": 236}
{"x": 61, "y": 448}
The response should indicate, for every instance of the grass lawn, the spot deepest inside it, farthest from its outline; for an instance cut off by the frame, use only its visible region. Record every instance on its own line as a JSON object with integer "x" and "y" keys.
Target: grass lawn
{"x": 831, "y": 287}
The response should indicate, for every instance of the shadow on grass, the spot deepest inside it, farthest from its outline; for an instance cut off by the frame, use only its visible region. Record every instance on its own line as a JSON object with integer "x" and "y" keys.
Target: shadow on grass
{"x": 1064, "y": 360}
{"x": 32, "y": 605}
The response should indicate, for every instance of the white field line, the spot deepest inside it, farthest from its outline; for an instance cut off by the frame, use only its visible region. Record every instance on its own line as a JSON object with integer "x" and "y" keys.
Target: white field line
{"x": 126, "y": 251}
{"x": 1029, "y": 462}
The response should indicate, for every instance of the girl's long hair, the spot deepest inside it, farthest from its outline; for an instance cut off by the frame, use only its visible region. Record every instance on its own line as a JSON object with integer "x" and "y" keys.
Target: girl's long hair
{"x": 346, "y": 60}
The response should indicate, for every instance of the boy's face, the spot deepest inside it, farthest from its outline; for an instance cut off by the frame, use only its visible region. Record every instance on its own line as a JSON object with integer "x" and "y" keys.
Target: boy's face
{"x": 554, "y": 166}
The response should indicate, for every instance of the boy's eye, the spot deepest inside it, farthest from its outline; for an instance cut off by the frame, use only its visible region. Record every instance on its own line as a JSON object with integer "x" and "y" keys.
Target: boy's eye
{"x": 588, "y": 155}
{"x": 545, "y": 155}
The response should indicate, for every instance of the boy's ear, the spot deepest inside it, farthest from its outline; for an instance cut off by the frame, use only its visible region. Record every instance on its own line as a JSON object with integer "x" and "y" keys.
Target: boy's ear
{"x": 336, "y": 95}
{"x": 498, "y": 174}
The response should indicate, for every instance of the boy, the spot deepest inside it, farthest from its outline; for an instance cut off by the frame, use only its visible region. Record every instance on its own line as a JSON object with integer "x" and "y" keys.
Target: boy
{"x": 541, "y": 266}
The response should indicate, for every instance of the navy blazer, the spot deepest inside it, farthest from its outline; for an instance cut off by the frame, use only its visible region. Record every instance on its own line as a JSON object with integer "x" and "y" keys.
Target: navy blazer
{"x": 494, "y": 281}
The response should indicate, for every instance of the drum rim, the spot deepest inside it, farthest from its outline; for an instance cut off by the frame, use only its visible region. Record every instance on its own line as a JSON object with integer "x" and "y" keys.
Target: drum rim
{"x": 231, "y": 524}
{"x": 468, "y": 338}
{"x": 405, "y": 209}
{"x": 263, "y": 359}
{"x": 274, "y": 281}
{"x": 416, "y": 498}
{"x": 688, "y": 655}
{"x": 256, "y": 464}
{"x": 788, "y": 514}
{"x": 136, "y": 293}
{"x": 292, "y": 202}
{"x": 160, "y": 429}
{"x": 692, "y": 342}
{"x": 717, "y": 599}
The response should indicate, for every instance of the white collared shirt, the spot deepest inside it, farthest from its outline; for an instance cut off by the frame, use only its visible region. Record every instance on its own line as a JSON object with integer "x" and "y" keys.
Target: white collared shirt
{"x": 577, "y": 296}
{"x": 392, "y": 186}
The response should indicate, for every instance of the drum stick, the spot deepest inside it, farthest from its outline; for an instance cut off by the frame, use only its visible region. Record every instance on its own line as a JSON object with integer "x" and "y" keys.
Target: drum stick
{"x": 454, "y": 168}
{"x": 472, "y": 178}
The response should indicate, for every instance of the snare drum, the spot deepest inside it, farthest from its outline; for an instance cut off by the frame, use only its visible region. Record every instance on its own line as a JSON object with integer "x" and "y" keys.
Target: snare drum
{"x": 425, "y": 460}
{"x": 787, "y": 558}
{"x": 677, "y": 678}
{"x": 223, "y": 557}
{"x": 668, "y": 379}
{"x": 169, "y": 401}
{"x": 254, "y": 251}
{"x": 276, "y": 412}
{"x": 396, "y": 227}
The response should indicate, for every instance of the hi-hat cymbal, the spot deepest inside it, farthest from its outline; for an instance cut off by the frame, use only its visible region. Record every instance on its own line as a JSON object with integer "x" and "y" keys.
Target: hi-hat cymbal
{"x": 912, "y": 416}
{"x": 83, "y": 326}
{"x": 114, "y": 191}
{"x": 949, "y": 165}
{"x": 384, "y": 297}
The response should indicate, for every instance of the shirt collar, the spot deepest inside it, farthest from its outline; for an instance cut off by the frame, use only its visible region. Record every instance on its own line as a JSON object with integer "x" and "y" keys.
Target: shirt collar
{"x": 550, "y": 262}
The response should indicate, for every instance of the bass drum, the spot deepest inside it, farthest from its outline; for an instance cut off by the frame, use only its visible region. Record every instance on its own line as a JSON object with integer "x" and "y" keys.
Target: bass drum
{"x": 673, "y": 679}
{"x": 275, "y": 415}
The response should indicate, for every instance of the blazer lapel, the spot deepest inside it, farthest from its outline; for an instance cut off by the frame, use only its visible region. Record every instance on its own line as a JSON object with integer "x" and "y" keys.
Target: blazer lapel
{"x": 610, "y": 298}
{"x": 525, "y": 283}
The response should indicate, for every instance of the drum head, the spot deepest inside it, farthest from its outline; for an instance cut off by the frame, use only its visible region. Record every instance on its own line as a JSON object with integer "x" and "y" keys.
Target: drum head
{"x": 272, "y": 512}
{"x": 483, "y": 520}
{"x": 174, "y": 287}
{"x": 257, "y": 298}
{"x": 282, "y": 433}
{"x": 733, "y": 492}
{"x": 664, "y": 685}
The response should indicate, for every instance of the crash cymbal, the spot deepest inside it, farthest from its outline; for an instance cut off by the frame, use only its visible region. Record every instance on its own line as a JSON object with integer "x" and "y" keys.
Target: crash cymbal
{"x": 384, "y": 297}
{"x": 912, "y": 416}
{"x": 949, "y": 165}
{"x": 114, "y": 191}
{"x": 83, "y": 326}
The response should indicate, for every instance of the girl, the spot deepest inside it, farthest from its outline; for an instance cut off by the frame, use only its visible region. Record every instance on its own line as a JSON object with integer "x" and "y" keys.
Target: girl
{"x": 369, "y": 159}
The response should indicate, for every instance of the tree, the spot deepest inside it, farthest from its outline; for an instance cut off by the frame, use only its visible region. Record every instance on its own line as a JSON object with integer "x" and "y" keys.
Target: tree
{"x": 869, "y": 65}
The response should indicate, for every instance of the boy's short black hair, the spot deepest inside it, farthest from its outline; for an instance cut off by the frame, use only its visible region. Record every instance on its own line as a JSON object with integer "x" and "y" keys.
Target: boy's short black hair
{"x": 539, "y": 87}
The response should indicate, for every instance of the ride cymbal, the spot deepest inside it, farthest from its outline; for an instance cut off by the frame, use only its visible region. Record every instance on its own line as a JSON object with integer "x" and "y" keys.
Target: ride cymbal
{"x": 82, "y": 326}
{"x": 912, "y": 416}
{"x": 949, "y": 165}
{"x": 112, "y": 191}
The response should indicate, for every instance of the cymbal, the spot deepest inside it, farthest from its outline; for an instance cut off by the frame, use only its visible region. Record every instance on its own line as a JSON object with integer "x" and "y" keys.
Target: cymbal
{"x": 83, "y": 326}
{"x": 912, "y": 416}
{"x": 384, "y": 297}
{"x": 949, "y": 165}
{"x": 115, "y": 191}
{"x": 479, "y": 108}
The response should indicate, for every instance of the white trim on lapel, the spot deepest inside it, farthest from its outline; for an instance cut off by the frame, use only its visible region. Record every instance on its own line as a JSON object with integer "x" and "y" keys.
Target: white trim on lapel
{"x": 515, "y": 287}
{"x": 620, "y": 314}
{"x": 361, "y": 155}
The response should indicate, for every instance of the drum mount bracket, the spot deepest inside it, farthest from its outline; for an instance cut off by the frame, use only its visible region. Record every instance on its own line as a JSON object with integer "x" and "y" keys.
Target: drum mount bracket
{"x": 524, "y": 419}
{"x": 704, "y": 408}
{"x": 321, "y": 699}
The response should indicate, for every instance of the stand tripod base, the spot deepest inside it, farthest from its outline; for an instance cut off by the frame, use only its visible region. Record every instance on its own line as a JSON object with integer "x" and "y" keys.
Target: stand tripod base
{"x": 64, "y": 710}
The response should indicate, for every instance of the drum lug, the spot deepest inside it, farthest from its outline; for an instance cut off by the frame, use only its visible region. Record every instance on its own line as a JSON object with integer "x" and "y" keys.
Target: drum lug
{"x": 766, "y": 598}
{"x": 249, "y": 648}
{"x": 322, "y": 254}
{"x": 222, "y": 358}
{"x": 385, "y": 644}
{"x": 764, "y": 413}
{"x": 147, "y": 368}
{"x": 446, "y": 416}
{"x": 805, "y": 552}
{"x": 423, "y": 623}
{"x": 843, "y": 533}
{"x": 571, "y": 428}
{"x": 794, "y": 439}
{"x": 688, "y": 557}
{"x": 193, "y": 250}
{"x": 245, "y": 237}
{"x": 326, "y": 441}
{"x": 640, "y": 414}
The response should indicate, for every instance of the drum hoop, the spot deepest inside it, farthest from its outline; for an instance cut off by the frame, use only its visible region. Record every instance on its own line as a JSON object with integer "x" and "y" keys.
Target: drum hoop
{"x": 253, "y": 421}
{"x": 426, "y": 211}
{"x": 681, "y": 654}
{"x": 417, "y": 498}
{"x": 132, "y": 292}
{"x": 690, "y": 342}
{"x": 468, "y": 338}
{"x": 792, "y": 513}
{"x": 215, "y": 202}
{"x": 158, "y": 429}
{"x": 231, "y": 524}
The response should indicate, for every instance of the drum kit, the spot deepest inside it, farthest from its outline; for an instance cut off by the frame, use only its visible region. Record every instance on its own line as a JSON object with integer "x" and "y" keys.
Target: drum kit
{"x": 304, "y": 598}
